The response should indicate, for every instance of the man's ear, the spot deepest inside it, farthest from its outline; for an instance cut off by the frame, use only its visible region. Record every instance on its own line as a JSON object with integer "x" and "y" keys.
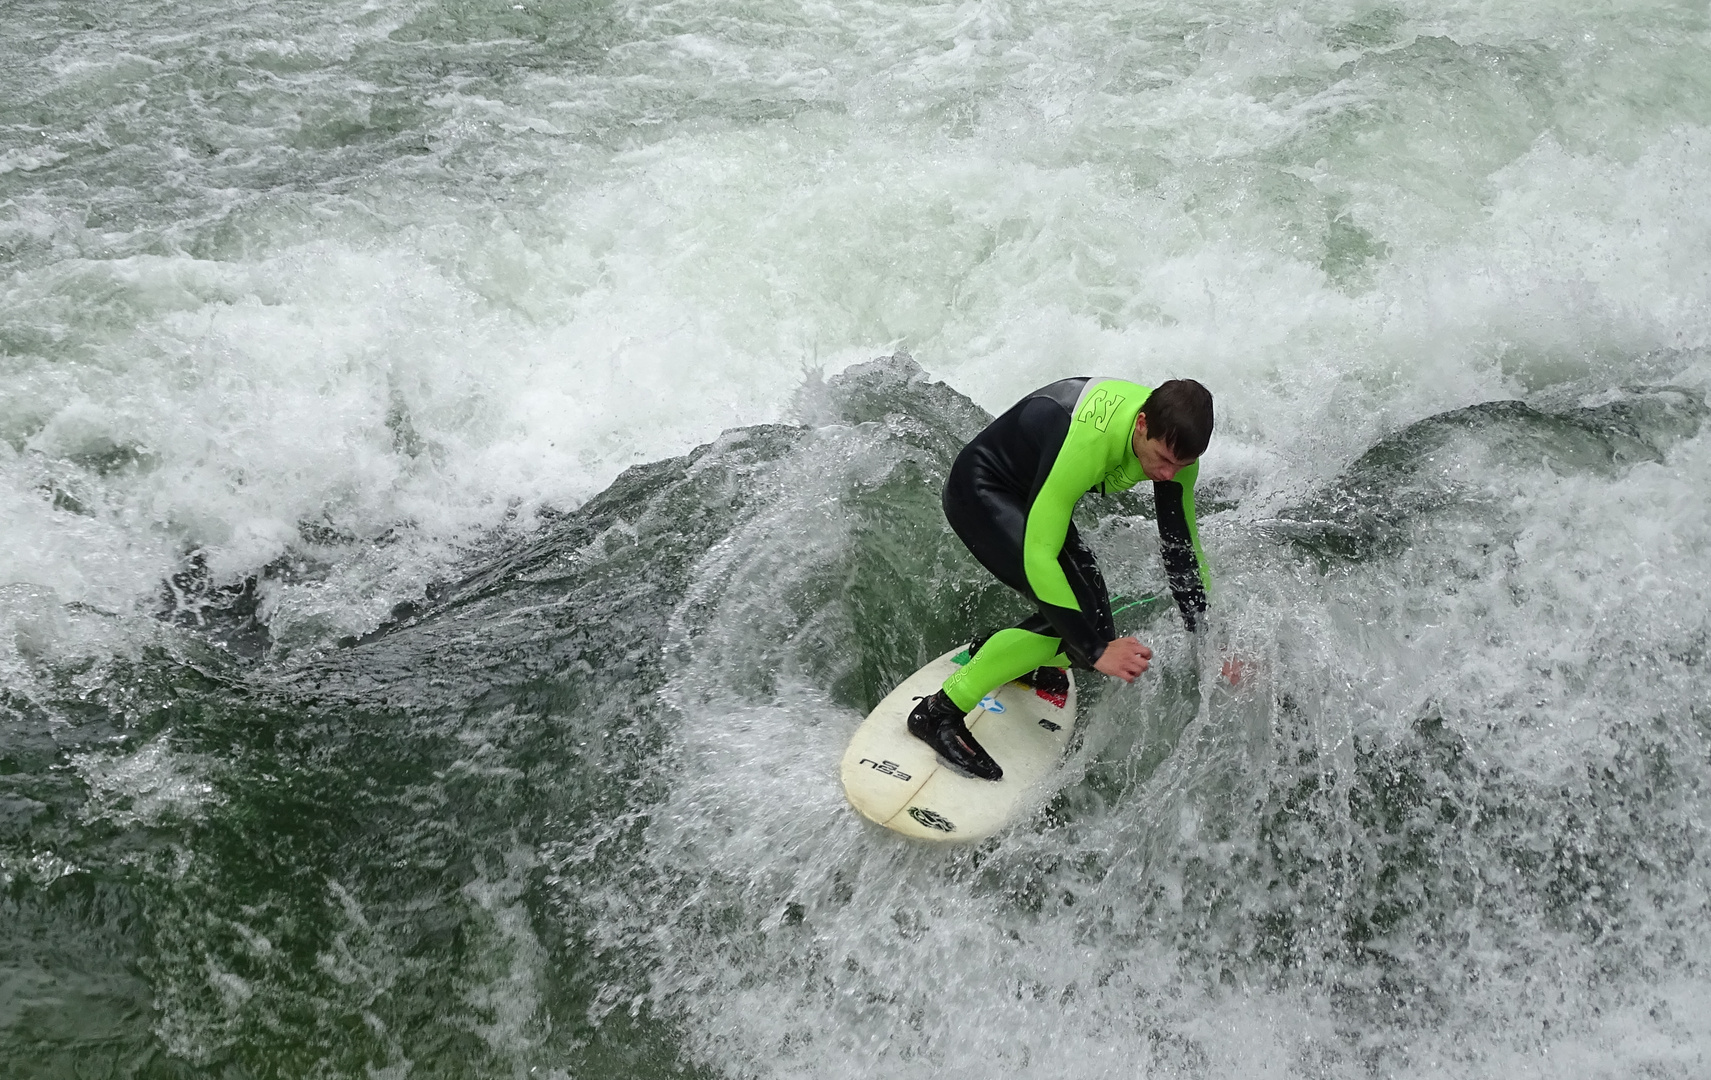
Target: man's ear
{"x": 1141, "y": 426}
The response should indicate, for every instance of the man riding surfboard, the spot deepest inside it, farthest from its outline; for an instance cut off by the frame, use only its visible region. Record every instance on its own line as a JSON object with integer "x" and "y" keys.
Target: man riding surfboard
{"x": 1009, "y": 498}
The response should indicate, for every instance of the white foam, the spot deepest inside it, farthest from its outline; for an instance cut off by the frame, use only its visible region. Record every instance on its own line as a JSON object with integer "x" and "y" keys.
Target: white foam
{"x": 646, "y": 299}
{"x": 152, "y": 785}
{"x": 1537, "y": 613}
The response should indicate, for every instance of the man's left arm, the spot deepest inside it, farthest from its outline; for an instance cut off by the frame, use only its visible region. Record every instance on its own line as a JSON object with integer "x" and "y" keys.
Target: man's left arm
{"x": 1179, "y": 543}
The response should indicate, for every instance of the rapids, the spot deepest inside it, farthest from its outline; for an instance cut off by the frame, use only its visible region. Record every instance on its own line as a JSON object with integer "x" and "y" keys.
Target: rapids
{"x": 467, "y": 466}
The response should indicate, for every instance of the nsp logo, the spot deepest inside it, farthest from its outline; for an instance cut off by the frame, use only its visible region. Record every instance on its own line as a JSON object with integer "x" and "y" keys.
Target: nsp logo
{"x": 889, "y": 768}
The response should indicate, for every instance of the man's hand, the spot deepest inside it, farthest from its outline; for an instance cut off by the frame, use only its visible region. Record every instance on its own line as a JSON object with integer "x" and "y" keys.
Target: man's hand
{"x": 1123, "y": 659}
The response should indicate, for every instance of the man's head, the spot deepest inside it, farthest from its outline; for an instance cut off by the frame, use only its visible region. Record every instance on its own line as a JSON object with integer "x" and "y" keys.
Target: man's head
{"x": 1173, "y": 429}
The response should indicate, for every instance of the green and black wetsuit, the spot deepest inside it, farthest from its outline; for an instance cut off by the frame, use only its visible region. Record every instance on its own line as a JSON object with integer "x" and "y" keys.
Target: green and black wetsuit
{"x": 1009, "y": 498}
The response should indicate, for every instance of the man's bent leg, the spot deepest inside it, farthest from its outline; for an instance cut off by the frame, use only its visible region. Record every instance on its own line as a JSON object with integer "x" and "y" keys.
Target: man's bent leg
{"x": 992, "y": 523}
{"x": 1006, "y": 655}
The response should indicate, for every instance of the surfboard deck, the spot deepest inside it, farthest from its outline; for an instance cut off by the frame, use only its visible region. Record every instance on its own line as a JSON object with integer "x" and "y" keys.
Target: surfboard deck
{"x": 897, "y": 780}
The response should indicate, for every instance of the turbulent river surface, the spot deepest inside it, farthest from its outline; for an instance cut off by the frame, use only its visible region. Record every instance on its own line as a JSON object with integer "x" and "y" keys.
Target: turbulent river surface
{"x": 467, "y": 467}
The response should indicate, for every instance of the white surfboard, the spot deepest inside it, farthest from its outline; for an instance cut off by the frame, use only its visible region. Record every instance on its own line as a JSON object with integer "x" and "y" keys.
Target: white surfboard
{"x": 898, "y": 781}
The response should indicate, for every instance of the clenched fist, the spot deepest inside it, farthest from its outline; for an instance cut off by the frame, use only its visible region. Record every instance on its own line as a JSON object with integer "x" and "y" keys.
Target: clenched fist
{"x": 1124, "y": 659}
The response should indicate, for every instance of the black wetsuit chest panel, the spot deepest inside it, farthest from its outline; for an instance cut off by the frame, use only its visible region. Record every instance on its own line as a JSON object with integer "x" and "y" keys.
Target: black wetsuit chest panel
{"x": 1015, "y": 453}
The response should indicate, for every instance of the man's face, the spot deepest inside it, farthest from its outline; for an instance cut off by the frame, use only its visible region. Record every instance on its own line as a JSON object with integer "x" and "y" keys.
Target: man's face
{"x": 1157, "y": 460}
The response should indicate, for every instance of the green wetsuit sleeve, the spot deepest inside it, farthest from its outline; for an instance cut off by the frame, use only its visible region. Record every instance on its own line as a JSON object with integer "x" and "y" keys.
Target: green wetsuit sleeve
{"x": 1179, "y": 543}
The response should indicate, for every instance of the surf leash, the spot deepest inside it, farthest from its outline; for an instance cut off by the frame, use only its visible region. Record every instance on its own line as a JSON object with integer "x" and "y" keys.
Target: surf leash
{"x": 1120, "y": 603}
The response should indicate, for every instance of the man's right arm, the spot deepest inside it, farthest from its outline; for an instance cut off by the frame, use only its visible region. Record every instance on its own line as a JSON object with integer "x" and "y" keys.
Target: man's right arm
{"x": 1179, "y": 543}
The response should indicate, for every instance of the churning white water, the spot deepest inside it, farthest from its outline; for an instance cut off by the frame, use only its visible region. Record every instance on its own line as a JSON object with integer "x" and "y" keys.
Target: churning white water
{"x": 309, "y": 307}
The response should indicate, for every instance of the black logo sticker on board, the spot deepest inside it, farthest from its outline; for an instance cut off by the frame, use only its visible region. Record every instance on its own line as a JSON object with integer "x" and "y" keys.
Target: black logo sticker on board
{"x": 1049, "y": 726}
{"x": 889, "y": 768}
{"x": 931, "y": 819}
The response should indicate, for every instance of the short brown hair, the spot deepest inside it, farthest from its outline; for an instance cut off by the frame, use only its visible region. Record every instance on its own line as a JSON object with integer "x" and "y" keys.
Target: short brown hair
{"x": 1180, "y": 413}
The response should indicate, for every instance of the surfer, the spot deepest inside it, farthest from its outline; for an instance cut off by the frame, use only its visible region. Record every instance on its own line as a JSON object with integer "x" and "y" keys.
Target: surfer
{"x": 1009, "y": 499}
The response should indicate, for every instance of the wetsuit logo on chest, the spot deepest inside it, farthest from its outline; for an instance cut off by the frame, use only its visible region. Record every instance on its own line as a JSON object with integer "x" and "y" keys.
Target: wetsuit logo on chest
{"x": 1099, "y": 408}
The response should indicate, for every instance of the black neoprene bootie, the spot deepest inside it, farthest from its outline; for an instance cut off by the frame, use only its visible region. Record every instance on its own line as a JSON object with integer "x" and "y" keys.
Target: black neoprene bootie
{"x": 939, "y": 724}
{"x": 1051, "y": 683}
